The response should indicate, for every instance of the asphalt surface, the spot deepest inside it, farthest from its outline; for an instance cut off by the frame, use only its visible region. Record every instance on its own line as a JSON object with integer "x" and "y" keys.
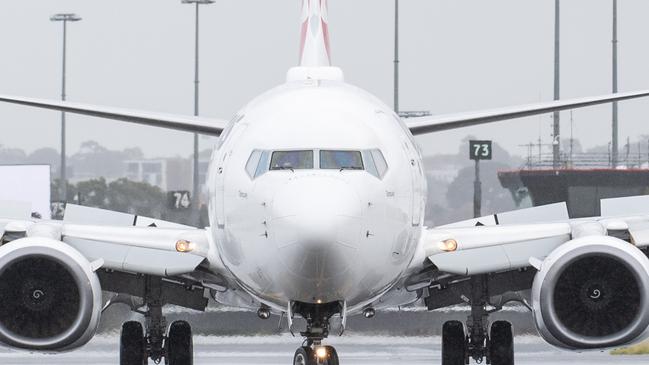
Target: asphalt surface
{"x": 103, "y": 350}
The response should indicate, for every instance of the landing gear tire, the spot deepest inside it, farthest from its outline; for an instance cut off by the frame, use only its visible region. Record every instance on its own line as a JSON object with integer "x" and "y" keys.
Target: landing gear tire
{"x": 180, "y": 347}
{"x": 304, "y": 356}
{"x": 501, "y": 351}
{"x": 453, "y": 343}
{"x": 332, "y": 356}
{"x": 132, "y": 345}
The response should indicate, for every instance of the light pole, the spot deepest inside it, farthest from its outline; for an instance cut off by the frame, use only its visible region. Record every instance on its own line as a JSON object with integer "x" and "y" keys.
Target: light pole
{"x": 614, "y": 137}
{"x": 396, "y": 56}
{"x": 196, "y": 182}
{"x": 64, "y": 18}
{"x": 556, "y": 128}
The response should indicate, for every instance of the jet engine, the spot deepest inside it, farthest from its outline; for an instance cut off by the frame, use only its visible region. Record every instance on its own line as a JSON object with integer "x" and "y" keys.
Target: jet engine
{"x": 50, "y": 297}
{"x": 592, "y": 293}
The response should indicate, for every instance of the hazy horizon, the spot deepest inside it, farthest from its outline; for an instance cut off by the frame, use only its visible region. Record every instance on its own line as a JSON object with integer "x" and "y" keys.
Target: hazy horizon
{"x": 455, "y": 56}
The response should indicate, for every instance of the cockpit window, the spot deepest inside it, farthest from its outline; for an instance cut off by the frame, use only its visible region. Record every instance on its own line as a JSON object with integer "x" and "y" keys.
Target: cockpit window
{"x": 253, "y": 163}
{"x": 379, "y": 161}
{"x": 291, "y": 160}
{"x": 262, "y": 161}
{"x": 375, "y": 163}
{"x": 341, "y": 160}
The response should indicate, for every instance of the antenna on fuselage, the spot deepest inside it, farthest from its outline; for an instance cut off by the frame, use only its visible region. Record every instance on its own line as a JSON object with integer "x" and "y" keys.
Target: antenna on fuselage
{"x": 314, "y": 44}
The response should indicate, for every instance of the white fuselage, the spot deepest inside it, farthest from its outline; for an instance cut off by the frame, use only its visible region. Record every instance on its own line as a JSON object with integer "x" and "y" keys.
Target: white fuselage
{"x": 316, "y": 235}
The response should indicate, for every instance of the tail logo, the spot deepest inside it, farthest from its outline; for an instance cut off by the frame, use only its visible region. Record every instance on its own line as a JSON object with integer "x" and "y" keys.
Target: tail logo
{"x": 314, "y": 44}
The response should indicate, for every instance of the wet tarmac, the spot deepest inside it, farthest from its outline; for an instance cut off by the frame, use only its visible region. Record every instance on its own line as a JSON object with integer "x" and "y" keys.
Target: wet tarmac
{"x": 278, "y": 350}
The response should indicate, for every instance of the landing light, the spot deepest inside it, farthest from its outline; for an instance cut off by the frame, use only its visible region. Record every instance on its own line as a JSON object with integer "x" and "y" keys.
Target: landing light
{"x": 321, "y": 352}
{"x": 449, "y": 245}
{"x": 263, "y": 313}
{"x": 369, "y": 313}
{"x": 184, "y": 246}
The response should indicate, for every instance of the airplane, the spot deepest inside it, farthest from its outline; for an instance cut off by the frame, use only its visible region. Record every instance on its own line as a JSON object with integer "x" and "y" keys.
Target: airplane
{"x": 316, "y": 211}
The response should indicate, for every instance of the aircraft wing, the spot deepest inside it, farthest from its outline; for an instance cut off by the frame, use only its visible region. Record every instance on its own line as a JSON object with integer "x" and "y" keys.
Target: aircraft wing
{"x": 510, "y": 240}
{"x": 124, "y": 249}
{"x": 489, "y": 249}
{"x": 142, "y": 250}
{"x": 452, "y": 121}
{"x": 514, "y": 246}
{"x": 149, "y": 250}
{"x": 417, "y": 126}
{"x": 207, "y": 126}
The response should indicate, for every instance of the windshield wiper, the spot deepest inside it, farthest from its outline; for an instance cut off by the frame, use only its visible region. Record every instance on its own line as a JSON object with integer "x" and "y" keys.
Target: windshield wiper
{"x": 350, "y": 168}
{"x": 285, "y": 168}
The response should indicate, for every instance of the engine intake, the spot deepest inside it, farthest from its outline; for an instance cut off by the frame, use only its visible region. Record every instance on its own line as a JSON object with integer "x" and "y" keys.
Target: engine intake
{"x": 50, "y": 298}
{"x": 592, "y": 293}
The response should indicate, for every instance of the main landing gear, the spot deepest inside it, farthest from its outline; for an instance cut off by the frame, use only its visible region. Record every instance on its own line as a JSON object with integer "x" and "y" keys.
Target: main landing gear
{"x": 496, "y": 347}
{"x": 138, "y": 345}
{"x": 135, "y": 348}
{"x": 317, "y": 318}
{"x": 457, "y": 348}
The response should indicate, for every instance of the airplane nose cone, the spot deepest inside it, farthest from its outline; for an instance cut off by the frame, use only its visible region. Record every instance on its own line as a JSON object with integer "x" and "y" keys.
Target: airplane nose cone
{"x": 316, "y": 225}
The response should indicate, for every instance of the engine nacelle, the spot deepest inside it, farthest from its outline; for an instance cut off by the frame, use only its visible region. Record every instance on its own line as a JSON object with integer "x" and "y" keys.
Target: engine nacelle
{"x": 50, "y": 298}
{"x": 592, "y": 293}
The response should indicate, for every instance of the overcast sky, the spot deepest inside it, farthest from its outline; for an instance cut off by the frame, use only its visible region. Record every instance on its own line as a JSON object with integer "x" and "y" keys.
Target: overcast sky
{"x": 456, "y": 55}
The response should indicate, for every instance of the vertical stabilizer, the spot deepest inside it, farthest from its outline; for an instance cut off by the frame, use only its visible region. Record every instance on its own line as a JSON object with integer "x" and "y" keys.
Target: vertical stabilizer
{"x": 314, "y": 46}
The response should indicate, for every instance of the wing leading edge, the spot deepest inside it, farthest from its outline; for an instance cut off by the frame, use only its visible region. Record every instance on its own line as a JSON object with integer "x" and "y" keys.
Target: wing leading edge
{"x": 417, "y": 126}
{"x": 460, "y": 120}
{"x": 510, "y": 240}
{"x": 178, "y": 122}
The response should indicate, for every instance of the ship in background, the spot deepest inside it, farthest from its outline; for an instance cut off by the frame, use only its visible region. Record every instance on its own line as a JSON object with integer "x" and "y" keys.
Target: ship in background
{"x": 579, "y": 179}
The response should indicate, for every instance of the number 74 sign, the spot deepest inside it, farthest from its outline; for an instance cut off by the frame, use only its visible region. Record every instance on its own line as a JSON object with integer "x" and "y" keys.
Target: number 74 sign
{"x": 480, "y": 150}
{"x": 179, "y": 200}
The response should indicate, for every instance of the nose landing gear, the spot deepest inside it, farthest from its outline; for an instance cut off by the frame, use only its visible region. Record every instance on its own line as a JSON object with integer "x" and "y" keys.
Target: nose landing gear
{"x": 316, "y": 355}
{"x": 317, "y": 318}
{"x": 304, "y": 356}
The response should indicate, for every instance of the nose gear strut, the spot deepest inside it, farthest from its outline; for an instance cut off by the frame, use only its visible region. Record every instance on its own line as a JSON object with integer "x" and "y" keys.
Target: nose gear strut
{"x": 317, "y": 317}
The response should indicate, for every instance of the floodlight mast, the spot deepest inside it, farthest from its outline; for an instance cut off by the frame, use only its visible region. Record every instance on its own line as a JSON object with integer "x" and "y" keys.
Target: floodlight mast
{"x": 396, "y": 56}
{"x": 196, "y": 182}
{"x": 614, "y": 136}
{"x": 556, "y": 124}
{"x": 64, "y": 18}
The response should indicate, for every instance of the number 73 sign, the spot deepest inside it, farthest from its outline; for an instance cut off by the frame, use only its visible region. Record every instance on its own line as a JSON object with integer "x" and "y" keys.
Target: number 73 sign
{"x": 480, "y": 150}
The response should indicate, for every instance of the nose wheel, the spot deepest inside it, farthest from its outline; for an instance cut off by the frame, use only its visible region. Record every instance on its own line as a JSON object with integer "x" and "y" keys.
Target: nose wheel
{"x": 317, "y": 318}
{"x": 304, "y": 356}
{"x": 320, "y": 355}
